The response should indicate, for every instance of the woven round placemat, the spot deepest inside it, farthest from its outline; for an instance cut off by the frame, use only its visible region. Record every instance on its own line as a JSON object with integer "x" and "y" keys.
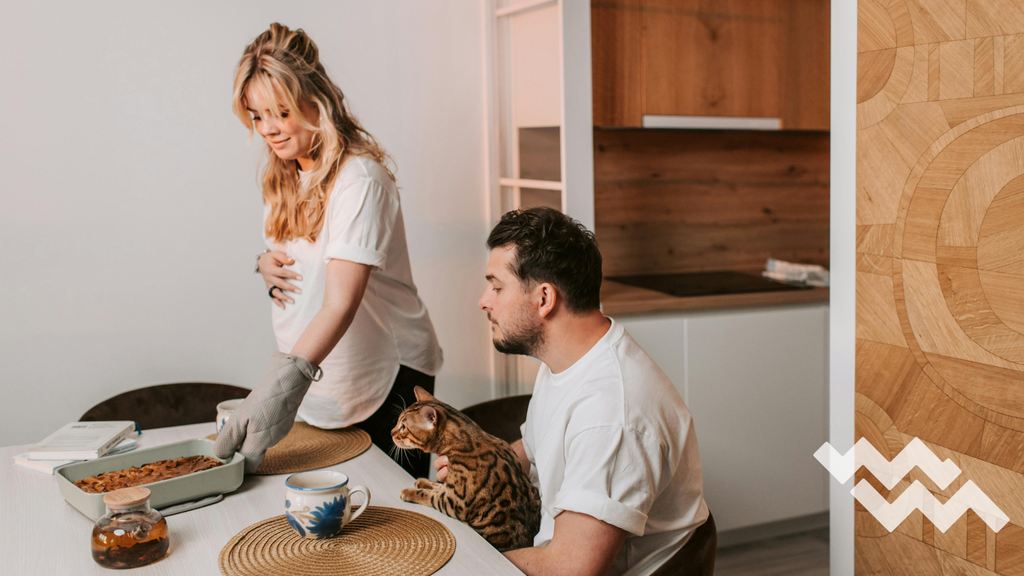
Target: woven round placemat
{"x": 310, "y": 448}
{"x": 381, "y": 542}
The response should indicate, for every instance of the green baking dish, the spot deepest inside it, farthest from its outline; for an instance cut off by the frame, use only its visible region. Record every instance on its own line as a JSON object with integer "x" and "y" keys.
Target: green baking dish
{"x": 219, "y": 480}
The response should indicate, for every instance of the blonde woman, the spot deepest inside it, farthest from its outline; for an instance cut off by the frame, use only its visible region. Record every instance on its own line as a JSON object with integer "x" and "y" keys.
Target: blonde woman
{"x": 353, "y": 336}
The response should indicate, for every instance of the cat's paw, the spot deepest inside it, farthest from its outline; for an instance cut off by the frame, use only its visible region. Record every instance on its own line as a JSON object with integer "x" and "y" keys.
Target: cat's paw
{"x": 424, "y": 484}
{"x": 408, "y": 494}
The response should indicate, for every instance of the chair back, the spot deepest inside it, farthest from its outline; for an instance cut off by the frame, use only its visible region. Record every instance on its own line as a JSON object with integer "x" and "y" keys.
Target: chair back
{"x": 501, "y": 417}
{"x": 166, "y": 404}
{"x": 697, "y": 557}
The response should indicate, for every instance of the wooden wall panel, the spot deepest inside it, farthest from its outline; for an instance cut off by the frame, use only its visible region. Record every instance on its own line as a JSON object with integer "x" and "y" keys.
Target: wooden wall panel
{"x": 680, "y": 200}
{"x": 940, "y": 276}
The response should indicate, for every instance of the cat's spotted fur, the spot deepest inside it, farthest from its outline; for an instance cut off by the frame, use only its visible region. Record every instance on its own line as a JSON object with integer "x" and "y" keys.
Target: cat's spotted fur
{"x": 486, "y": 486}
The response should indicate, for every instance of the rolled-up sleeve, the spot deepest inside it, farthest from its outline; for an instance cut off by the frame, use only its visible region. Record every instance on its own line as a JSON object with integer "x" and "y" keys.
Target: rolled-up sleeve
{"x": 362, "y": 217}
{"x": 612, "y": 474}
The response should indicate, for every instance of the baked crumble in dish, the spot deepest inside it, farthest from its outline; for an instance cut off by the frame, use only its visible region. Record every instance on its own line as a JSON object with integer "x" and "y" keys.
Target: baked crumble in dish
{"x": 146, "y": 474}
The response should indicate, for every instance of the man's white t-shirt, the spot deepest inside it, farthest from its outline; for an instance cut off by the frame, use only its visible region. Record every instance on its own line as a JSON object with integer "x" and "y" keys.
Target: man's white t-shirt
{"x": 610, "y": 437}
{"x": 363, "y": 224}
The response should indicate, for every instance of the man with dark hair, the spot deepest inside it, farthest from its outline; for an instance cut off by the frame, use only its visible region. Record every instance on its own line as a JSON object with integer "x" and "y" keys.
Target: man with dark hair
{"x": 607, "y": 440}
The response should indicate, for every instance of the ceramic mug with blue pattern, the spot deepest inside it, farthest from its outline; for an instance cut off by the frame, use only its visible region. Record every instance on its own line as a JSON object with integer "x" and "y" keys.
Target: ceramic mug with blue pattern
{"x": 224, "y": 411}
{"x": 316, "y": 503}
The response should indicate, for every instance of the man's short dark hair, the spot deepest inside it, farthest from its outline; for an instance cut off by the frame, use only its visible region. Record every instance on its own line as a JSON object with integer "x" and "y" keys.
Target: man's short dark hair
{"x": 552, "y": 247}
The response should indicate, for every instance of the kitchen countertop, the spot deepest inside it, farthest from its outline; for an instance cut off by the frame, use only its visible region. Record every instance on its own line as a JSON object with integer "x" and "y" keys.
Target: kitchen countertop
{"x": 618, "y": 299}
{"x": 43, "y": 535}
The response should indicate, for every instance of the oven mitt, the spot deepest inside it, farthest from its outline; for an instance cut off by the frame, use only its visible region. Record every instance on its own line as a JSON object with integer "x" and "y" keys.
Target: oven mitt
{"x": 266, "y": 416}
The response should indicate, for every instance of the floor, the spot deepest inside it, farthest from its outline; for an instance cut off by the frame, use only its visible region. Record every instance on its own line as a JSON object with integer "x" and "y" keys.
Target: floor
{"x": 804, "y": 554}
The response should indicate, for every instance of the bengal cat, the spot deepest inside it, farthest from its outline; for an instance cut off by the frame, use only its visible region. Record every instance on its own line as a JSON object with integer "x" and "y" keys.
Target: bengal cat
{"x": 486, "y": 486}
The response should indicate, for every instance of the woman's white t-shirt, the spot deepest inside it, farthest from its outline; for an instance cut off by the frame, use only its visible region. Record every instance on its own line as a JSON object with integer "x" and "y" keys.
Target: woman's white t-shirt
{"x": 363, "y": 224}
{"x": 610, "y": 437}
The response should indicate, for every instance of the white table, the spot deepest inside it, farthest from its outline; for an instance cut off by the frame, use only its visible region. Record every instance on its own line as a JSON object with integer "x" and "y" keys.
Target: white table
{"x": 42, "y": 534}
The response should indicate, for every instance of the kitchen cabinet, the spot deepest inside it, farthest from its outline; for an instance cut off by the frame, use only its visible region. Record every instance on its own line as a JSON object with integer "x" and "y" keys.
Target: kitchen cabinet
{"x": 756, "y": 382}
{"x": 616, "y": 60}
{"x": 711, "y": 61}
{"x": 718, "y": 58}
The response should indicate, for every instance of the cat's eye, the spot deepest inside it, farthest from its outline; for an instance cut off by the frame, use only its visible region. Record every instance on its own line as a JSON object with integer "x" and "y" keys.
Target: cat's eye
{"x": 403, "y": 427}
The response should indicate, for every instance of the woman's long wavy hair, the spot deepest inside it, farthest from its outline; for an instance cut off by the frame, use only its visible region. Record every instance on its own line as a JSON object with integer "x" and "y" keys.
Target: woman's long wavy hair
{"x": 283, "y": 68}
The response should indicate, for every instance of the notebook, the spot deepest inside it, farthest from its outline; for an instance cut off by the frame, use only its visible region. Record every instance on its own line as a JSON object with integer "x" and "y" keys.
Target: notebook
{"x": 82, "y": 441}
{"x": 51, "y": 466}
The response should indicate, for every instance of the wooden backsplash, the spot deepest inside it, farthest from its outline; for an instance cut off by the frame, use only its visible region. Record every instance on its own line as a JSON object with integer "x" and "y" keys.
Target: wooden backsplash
{"x": 683, "y": 200}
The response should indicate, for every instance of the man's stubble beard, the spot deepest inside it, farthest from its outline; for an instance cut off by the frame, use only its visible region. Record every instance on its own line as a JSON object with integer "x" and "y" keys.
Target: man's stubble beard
{"x": 521, "y": 336}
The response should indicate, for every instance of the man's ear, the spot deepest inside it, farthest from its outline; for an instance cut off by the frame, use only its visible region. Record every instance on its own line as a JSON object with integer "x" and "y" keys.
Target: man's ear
{"x": 422, "y": 395}
{"x": 547, "y": 296}
{"x": 430, "y": 414}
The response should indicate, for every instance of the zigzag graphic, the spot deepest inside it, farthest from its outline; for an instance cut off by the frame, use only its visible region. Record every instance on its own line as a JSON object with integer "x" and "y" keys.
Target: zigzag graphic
{"x": 917, "y": 497}
{"x": 916, "y": 453}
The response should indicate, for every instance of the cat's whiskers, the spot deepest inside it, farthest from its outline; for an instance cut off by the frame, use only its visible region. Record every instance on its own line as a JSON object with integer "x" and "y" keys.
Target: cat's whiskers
{"x": 403, "y": 454}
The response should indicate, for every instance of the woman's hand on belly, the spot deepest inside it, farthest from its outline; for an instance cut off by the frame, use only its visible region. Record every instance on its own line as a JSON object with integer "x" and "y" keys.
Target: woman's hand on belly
{"x": 271, "y": 268}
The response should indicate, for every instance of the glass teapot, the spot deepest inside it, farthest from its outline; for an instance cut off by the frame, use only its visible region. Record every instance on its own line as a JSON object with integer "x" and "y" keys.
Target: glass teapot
{"x": 131, "y": 534}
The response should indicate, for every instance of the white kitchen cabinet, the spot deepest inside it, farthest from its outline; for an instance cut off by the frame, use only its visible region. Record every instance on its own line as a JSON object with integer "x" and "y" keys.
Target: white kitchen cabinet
{"x": 756, "y": 382}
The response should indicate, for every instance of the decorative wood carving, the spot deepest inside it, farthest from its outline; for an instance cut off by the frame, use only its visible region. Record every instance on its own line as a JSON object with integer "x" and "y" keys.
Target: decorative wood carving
{"x": 940, "y": 269}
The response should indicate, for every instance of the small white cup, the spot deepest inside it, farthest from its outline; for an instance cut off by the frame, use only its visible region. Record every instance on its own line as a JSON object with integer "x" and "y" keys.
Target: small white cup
{"x": 224, "y": 411}
{"x": 316, "y": 503}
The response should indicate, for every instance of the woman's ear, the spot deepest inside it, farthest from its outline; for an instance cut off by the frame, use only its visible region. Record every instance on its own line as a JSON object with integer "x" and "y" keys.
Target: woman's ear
{"x": 422, "y": 395}
{"x": 311, "y": 111}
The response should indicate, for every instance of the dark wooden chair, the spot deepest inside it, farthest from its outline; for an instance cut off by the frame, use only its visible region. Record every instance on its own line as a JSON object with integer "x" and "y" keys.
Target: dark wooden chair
{"x": 166, "y": 404}
{"x": 697, "y": 558}
{"x": 501, "y": 417}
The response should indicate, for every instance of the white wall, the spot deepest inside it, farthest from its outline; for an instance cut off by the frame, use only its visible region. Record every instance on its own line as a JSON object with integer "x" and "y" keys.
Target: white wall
{"x": 535, "y": 68}
{"x": 842, "y": 297}
{"x": 130, "y": 207}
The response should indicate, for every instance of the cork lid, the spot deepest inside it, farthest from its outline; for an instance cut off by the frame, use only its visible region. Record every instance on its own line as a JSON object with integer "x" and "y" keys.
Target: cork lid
{"x": 127, "y": 497}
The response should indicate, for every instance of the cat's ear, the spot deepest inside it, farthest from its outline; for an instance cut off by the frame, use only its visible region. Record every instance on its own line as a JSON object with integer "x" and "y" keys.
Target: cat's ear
{"x": 422, "y": 395}
{"x": 430, "y": 414}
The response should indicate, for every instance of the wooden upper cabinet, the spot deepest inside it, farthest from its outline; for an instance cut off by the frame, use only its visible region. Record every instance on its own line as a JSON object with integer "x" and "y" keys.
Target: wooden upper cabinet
{"x": 616, "y": 59}
{"x": 748, "y": 58}
{"x": 711, "y": 59}
{"x": 805, "y": 64}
